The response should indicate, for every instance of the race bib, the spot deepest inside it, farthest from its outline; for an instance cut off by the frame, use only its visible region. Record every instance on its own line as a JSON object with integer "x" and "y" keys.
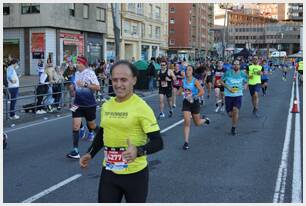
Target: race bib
{"x": 74, "y": 108}
{"x": 177, "y": 83}
{"x": 164, "y": 84}
{"x": 114, "y": 159}
{"x": 235, "y": 89}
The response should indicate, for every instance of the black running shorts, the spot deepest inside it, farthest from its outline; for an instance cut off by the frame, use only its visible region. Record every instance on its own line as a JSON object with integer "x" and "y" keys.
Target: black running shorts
{"x": 194, "y": 107}
{"x": 88, "y": 112}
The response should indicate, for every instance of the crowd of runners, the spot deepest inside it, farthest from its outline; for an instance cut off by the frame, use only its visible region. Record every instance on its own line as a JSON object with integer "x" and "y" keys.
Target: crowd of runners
{"x": 129, "y": 131}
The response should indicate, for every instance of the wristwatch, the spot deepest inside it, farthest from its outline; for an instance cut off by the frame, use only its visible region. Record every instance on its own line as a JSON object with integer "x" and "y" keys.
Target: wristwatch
{"x": 141, "y": 151}
{"x": 85, "y": 84}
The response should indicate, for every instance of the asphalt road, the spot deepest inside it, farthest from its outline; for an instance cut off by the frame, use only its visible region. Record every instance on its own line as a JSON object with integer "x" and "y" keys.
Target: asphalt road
{"x": 218, "y": 167}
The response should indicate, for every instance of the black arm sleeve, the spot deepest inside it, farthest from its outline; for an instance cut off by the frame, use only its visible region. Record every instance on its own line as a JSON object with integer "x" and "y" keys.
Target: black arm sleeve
{"x": 155, "y": 143}
{"x": 97, "y": 143}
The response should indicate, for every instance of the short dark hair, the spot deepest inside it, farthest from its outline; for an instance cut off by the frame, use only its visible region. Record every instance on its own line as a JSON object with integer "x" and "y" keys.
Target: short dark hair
{"x": 127, "y": 63}
{"x": 13, "y": 61}
{"x": 111, "y": 61}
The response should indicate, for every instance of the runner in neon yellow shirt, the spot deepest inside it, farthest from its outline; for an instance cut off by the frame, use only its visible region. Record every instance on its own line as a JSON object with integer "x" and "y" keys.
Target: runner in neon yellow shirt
{"x": 254, "y": 72}
{"x": 128, "y": 132}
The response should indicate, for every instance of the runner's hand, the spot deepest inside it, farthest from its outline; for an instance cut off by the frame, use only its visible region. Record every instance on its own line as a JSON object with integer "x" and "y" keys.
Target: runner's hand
{"x": 131, "y": 152}
{"x": 84, "y": 161}
{"x": 80, "y": 83}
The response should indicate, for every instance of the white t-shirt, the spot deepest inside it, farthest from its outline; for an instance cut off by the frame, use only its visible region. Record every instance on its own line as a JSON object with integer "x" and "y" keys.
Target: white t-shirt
{"x": 12, "y": 76}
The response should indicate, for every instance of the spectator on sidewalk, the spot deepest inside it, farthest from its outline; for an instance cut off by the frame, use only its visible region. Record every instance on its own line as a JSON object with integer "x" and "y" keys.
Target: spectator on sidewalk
{"x": 69, "y": 77}
{"x": 151, "y": 73}
{"x": 40, "y": 67}
{"x": 49, "y": 80}
{"x": 100, "y": 73}
{"x": 57, "y": 87}
{"x": 108, "y": 72}
{"x": 13, "y": 86}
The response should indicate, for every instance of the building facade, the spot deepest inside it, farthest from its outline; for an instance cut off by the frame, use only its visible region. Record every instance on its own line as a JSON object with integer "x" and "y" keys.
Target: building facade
{"x": 190, "y": 36}
{"x": 283, "y": 36}
{"x": 144, "y": 31}
{"x": 60, "y": 32}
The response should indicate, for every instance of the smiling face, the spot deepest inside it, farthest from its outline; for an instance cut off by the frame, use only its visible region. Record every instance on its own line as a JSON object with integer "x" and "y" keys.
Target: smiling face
{"x": 123, "y": 81}
{"x": 189, "y": 71}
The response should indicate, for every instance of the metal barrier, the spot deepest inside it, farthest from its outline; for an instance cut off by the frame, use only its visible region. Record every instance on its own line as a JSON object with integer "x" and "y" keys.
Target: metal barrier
{"x": 64, "y": 92}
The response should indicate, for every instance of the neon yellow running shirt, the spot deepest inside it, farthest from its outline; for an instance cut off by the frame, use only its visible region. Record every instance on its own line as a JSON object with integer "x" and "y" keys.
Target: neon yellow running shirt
{"x": 132, "y": 119}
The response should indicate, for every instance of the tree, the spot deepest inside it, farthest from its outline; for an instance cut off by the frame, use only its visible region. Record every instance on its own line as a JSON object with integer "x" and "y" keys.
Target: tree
{"x": 116, "y": 20}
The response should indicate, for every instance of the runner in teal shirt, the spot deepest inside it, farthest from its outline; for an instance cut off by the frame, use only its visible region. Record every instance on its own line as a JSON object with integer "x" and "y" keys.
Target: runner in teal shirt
{"x": 234, "y": 81}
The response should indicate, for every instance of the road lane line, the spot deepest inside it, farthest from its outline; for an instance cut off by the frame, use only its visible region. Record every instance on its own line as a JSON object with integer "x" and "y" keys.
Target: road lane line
{"x": 57, "y": 186}
{"x": 51, "y": 189}
{"x": 56, "y": 118}
{"x": 297, "y": 163}
{"x": 171, "y": 126}
{"x": 280, "y": 186}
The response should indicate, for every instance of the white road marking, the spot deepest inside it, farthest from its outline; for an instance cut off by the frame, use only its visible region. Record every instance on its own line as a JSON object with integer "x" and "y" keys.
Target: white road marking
{"x": 51, "y": 120}
{"x": 171, "y": 126}
{"x": 55, "y": 187}
{"x": 51, "y": 189}
{"x": 280, "y": 186}
{"x": 297, "y": 163}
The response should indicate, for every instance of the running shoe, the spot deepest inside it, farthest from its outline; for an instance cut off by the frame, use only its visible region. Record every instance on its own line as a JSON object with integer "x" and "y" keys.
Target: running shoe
{"x": 82, "y": 133}
{"x": 73, "y": 155}
{"x": 174, "y": 106}
{"x": 222, "y": 109}
{"x": 185, "y": 146}
{"x": 207, "y": 120}
{"x": 91, "y": 136}
{"x": 161, "y": 115}
{"x": 217, "y": 109}
{"x": 170, "y": 113}
{"x": 233, "y": 131}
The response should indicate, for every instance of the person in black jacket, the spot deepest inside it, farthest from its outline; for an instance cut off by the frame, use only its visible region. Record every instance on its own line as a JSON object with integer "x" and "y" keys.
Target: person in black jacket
{"x": 151, "y": 73}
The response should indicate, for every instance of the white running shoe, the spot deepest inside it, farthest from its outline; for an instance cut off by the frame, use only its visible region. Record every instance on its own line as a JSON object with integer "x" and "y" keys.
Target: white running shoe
{"x": 222, "y": 109}
{"x": 217, "y": 109}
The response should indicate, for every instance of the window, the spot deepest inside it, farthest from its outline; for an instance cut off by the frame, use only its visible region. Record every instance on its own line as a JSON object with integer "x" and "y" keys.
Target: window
{"x": 30, "y": 8}
{"x": 151, "y": 10}
{"x": 172, "y": 10}
{"x": 127, "y": 27}
{"x": 6, "y": 10}
{"x": 85, "y": 11}
{"x": 172, "y": 21}
{"x": 157, "y": 32}
{"x": 157, "y": 13}
{"x": 143, "y": 30}
{"x": 172, "y": 41}
{"x": 134, "y": 29}
{"x": 140, "y": 9}
{"x": 100, "y": 14}
{"x": 172, "y": 31}
{"x": 71, "y": 9}
{"x": 150, "y": 31}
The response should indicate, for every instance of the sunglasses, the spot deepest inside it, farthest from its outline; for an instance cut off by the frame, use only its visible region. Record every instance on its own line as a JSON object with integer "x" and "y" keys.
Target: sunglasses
{"x": 163, "y": 65}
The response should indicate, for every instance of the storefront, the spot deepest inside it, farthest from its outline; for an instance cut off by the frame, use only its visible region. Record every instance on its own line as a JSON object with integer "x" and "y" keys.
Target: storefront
{"x": 11, "y": 48}
{"x": 94, "y": 47}
{"x": 72, "y": 45}
{"x": 144, "y": 52}
{"x": 154, "y": 51}
{"x": 110, "y": 51}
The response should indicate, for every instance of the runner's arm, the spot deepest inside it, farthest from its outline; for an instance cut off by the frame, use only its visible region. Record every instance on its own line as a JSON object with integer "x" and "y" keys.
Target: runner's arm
{"x": 201, "y": 90}
{"x": 155, "y": 144}
{"x": 225, "y": 86}
{"x": 97, "y": 143}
